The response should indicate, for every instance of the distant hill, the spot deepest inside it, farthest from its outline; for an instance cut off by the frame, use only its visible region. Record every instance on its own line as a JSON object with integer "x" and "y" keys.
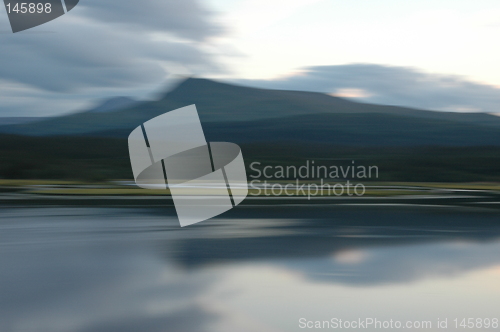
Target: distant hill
{"x": 250, "y": 114}
{"x": 342, "y": 129}
{"x": 271, "y": 126}
{"x": 17, "y": 120}
{"x": 114, "y": 104}
{"x": 356, "y": 129}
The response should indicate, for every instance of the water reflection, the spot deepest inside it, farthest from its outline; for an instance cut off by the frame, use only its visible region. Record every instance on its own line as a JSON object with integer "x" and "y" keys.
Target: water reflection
{"x": 257, "y": 269}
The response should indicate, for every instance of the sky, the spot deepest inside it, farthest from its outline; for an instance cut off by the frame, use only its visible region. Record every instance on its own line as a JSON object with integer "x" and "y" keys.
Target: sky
{"x": 439, "y": 54}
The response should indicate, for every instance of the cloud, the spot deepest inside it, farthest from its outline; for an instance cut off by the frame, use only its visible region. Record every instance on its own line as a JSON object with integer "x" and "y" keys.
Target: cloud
{"x": 93, "y": 55}
{"x": 185, "y": 19}
{"x": 408, "y": 263}
{"x": 105, "y": 48}
{"x": 401, "y": 86}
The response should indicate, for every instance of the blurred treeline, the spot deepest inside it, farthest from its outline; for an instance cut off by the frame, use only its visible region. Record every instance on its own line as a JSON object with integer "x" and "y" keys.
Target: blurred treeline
{"x": 99, "y": 159}
{"x": 64, "y": 158}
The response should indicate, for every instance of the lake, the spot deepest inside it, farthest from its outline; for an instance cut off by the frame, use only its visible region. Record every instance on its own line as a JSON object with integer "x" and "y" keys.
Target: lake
{"x": 256, "y": 268}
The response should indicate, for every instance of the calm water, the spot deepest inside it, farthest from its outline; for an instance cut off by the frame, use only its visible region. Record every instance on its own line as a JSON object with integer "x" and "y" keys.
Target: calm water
{"x": 256, "y": 269}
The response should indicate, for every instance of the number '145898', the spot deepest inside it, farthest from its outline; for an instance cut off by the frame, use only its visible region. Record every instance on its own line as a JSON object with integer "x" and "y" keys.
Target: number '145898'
{"x": 29, "y": 8}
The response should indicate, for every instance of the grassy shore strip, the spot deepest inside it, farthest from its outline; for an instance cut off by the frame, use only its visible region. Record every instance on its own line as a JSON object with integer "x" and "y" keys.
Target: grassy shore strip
{"x": 458, "y": 186}
{"x": 102, "y": 192}
{"x": 113, "y": 188}
{"x": 27, "y": 183}
{"x": 414, "y": 185}
{"x": 252, "y": 192}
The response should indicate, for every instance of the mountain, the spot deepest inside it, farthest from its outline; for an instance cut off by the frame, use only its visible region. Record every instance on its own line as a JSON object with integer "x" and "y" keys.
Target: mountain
{"x": 114, "y": 104}
{"x": 343, "y": 129}
{"x": 279, "y": 115}
{"x": 356, "y": 129}
{"x": 17, "y": 120}
{"x": 271, "y": 126}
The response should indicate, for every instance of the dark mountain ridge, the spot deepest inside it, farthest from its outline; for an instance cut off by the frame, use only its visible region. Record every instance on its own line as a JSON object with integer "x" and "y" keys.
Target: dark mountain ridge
{"x": 250, "y": 114}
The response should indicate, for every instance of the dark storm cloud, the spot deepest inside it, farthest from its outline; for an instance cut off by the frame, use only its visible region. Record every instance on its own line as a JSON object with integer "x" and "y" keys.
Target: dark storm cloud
{"x": 186, "y": 19}
{"x": 104, "y": 48}
{"x": 87, "y": 48}
{"x": 92, "y": 56}
{"x": 393, "y": 85}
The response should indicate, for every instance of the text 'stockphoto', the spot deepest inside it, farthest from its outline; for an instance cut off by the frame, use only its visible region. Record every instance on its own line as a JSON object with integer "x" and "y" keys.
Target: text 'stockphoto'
{"x": 170, "y": 152}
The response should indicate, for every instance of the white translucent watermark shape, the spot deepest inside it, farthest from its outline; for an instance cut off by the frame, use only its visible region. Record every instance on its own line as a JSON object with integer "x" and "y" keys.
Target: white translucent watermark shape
{"x": 204, "y": 179}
